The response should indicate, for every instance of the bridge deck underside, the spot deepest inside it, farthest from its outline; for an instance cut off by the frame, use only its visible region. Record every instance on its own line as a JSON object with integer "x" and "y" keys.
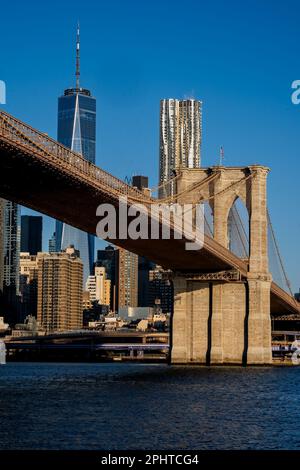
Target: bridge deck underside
{"x": 50, "y": 188}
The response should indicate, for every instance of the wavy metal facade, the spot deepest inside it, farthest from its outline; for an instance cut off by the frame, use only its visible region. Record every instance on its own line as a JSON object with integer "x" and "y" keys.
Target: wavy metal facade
{"x": 180, "y": 136}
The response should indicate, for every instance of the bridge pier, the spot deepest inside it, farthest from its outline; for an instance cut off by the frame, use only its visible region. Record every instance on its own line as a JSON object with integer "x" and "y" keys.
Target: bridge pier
{"x": 190, "y": 321}
{"x": 221, "y": 322}
{"x": 259, "y": 349}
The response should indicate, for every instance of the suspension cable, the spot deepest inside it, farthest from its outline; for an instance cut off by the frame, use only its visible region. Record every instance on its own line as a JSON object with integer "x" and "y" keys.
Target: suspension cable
{"x": 279, "y": 255}
{"x": 239, "y": 224}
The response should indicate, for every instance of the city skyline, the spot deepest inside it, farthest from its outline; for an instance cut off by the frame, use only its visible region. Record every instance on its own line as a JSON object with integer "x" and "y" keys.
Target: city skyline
{"x": 150, "y": 309}
{"x": 229, "y": 81}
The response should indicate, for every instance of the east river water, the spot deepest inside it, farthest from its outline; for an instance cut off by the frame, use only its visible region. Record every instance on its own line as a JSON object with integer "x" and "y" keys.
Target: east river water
{"x": 138, "y": 406}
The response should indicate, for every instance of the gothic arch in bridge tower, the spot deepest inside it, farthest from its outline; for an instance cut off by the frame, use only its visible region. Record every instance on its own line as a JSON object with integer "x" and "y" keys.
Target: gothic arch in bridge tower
{"x": 238, "y": 221}
{"x": 228, "y": 188}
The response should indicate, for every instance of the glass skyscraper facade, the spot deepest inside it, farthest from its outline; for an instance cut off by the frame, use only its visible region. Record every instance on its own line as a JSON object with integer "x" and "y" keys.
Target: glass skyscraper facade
{"x": 77, "y": 130}
{"x": 77, "y": 122}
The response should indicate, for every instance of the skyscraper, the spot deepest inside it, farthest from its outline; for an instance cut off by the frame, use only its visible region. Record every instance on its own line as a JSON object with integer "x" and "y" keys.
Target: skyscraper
{"x": 11, "y": 247}
{"x": 99, "y": 286}
{"x": 31, "y": 234}
{"x": 28, "y": 283}
{"x": 59, "y": 305}
{"x": 161, "y": 290}
{"x": 180, "y": 136}
{"x": 52, "y": 243}
{"x": 2, "y": 228}
{"x": 144, "y": 266}
{"x": 127, "y": 279}
{"x": 108, "y": 258}
{"x": 77, "y": 130}
{"x": 140, "y": 182}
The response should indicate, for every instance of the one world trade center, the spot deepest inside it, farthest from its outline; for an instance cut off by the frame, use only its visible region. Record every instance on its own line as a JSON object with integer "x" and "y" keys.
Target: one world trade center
{"x": 77, "y": 130}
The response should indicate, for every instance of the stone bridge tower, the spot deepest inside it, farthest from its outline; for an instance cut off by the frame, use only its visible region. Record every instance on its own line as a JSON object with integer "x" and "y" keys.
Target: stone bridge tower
{"x": 224, "y": 318}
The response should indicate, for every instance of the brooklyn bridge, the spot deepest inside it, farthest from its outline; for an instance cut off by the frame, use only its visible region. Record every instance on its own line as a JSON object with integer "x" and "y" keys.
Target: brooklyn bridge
{"x": 224, "y": 294}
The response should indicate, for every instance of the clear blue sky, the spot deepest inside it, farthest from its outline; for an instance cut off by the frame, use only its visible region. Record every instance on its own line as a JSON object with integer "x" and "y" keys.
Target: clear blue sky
{"x": 239, "y": 58}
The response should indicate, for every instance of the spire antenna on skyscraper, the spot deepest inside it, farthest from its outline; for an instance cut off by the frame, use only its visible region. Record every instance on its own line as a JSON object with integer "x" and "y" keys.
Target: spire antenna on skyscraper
{"x": 77, "y": 56}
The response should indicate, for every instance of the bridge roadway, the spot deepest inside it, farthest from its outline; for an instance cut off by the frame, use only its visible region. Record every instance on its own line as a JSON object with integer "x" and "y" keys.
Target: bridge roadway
{"x": 41, "y": 174}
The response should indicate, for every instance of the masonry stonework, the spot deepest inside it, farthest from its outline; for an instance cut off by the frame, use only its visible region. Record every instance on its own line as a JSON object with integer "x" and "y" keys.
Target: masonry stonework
{"x": 226, "y": 322}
